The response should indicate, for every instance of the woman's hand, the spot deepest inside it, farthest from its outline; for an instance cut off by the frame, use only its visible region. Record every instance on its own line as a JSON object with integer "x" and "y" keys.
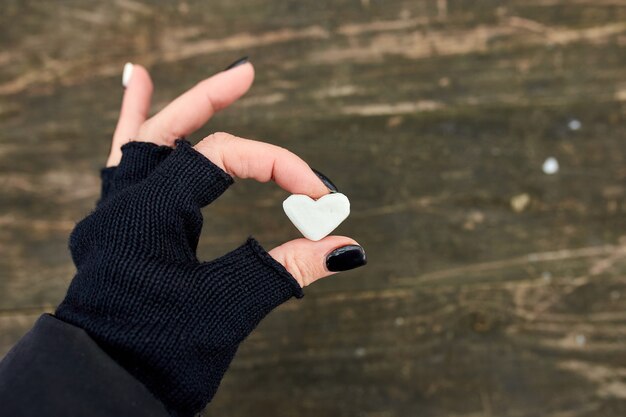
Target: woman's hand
{"x": 171, "y": 320}
{"x": 240, "y": 158}
{"x": 143, "y": 317}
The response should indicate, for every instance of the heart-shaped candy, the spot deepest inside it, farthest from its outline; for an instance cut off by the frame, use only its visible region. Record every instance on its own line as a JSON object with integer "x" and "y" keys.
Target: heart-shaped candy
{"x": 315, "y": 219}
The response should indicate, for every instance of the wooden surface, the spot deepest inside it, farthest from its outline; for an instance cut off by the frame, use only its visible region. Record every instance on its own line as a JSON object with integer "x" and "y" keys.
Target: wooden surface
{"x": 493, "y": 289}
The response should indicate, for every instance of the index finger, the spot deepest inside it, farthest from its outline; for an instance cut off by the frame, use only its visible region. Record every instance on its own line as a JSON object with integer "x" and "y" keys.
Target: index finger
{"x": 244, "y": 158}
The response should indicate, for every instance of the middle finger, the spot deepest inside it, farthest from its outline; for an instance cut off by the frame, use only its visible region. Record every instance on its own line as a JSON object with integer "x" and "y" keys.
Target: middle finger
{"x": 194, "y": 108}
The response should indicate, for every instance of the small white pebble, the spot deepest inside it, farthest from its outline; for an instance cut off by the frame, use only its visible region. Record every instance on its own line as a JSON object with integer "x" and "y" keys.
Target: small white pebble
{"x": 574, "y": 124}
{"x": 547, "y": 276}
{"x": 520, "y": 202}
{"x": 550, "y": 166}
{"x": 581, "y": 339}
{"x": 399, "y": 321}
{"x": 359, "y": 352}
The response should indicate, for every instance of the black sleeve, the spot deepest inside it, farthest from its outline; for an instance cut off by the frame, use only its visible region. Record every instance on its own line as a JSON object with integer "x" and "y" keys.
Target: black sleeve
{"x": 58, "y": 370}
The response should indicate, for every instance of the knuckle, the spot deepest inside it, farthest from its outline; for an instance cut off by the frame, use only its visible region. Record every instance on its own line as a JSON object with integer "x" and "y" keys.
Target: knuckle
{"x": 300, "y": 270}
{"x": 217, "y": 139}
{"x": 213, "y": 147}
{"x": 221, "y": 137}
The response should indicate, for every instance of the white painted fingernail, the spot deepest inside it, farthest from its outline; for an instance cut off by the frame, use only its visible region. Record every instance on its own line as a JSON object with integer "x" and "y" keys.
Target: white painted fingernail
{"x": 128, "y": 72}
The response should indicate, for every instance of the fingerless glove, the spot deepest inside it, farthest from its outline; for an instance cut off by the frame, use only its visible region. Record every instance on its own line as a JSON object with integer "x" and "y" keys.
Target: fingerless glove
{"x": 140, "y": 292}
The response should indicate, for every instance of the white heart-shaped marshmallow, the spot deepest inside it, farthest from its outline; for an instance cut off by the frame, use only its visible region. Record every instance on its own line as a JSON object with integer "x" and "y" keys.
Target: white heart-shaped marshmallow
{"x": 315, "y": 219}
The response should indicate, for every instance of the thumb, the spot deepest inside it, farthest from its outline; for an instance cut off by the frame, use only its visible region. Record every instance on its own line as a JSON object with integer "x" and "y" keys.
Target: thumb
{"x": 309, "y": 261}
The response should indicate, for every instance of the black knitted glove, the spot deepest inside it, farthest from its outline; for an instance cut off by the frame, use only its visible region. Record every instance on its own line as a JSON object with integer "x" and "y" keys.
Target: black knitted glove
{"x": 140, "y": 292}
{"x": 139, "y": 160}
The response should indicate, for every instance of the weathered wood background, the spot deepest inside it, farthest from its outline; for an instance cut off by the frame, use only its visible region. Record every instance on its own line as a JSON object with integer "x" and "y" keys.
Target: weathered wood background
{"x": 493, "y": 289}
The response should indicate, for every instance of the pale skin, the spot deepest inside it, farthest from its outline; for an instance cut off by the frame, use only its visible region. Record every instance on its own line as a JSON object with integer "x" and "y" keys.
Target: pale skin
{"x": 241, "y": 158}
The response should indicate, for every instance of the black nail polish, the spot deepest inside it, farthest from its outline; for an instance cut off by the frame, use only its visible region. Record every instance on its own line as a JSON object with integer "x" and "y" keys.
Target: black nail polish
{"x": 345, "y": 258}
{"x": 238, "y": 62}
{"x": 328, "y": 183}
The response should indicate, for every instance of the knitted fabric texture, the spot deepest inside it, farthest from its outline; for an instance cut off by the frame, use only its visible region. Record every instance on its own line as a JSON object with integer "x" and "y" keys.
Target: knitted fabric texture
{"x": 141, "y": 293}
{"x": 138, "y": 161}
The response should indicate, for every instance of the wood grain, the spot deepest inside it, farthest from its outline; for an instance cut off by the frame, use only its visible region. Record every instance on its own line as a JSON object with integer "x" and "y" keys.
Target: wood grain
{"x": 492, "y": 289}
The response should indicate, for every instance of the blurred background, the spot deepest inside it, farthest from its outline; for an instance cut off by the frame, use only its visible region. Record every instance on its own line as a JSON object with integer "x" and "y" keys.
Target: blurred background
{"x": 481, "y": 144}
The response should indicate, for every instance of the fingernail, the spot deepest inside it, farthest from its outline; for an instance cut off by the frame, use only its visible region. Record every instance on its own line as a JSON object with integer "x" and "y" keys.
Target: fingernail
{"x": 126, "y": 74}
{"x": 345, "y": 258}
{"x": 238, "y": 62}
{"x": 327, "y": 182}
